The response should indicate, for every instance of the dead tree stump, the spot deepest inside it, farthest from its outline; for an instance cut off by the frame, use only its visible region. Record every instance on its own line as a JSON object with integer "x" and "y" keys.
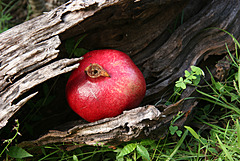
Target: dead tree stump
{"x": 147, "y": 30}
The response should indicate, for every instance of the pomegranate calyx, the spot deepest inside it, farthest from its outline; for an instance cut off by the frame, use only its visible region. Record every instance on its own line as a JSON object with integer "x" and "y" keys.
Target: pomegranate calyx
{"x": 95, "y": 70}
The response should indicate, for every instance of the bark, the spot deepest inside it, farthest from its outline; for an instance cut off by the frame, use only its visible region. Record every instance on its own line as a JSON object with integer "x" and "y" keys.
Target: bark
{"x": 113, "y": 131}
{"x": 144, "y": 30}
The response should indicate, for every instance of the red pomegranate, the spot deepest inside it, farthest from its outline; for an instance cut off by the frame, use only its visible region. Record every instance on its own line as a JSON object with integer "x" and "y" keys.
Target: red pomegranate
{"x": 106, "y": 83}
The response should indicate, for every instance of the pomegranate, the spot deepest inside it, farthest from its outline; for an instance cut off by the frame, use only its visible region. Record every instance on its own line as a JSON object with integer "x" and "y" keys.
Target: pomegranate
{"x": 106, "y": 83}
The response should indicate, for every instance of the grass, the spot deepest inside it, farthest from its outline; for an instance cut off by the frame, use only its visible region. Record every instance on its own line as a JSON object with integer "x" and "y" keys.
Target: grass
{"x": 5, "y": 15}
{"x": 7, "y": 20}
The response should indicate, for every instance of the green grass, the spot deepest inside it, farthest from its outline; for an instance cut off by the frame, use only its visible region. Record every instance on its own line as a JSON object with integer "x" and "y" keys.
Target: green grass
{"x": 5, "y": 15}
{"x": 8, "y": 14}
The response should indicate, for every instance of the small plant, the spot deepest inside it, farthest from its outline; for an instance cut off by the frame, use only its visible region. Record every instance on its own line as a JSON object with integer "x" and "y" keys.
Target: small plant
{"x": 135, "y": 150}
{"x": 219, "y": 143}
{"x": 9, "y": 141}
{"x": 222, "y": 143}
{"x": 174, "y": 129}
{"x": 192, "y": 77}
{"x": 226, "y": 94}
{"x": 15, "y": 151}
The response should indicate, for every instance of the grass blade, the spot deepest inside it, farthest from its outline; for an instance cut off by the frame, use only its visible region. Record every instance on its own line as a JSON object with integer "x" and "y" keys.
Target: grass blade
{"x": 224, "y": 149}
{"x": 238, "y": 133}
{"x": 219, "y": 102}
{"x": 234, "y": 39}
{"x": 178, "y": 145}
{"x": 238, "y": 77}
{"x": 236, "y": 51}
{"x": 192, "y": 132}
{"x": 230, "y": 54}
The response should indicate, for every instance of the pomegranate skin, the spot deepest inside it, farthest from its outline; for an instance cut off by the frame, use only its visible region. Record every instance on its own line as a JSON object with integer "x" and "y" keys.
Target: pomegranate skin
{"x": 103, "y": 97}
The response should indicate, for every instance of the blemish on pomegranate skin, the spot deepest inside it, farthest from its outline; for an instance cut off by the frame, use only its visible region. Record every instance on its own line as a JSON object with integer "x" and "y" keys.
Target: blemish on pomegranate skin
{"x": 93, "y": 93}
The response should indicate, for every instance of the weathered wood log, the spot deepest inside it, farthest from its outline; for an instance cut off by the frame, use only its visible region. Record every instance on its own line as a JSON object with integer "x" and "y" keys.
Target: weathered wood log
{"x": 124, "y": 127}
{"x": 30, "y": 55}
{"x": 31, "y": 45}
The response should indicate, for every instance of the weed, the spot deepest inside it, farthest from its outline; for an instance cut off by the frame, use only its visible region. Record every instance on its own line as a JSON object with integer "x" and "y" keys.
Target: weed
{"x": 9, "y": 141}
{"x": 221, "y": 143}
{"x": 15, "y": 151}
{"x": 192, "y": 77}
{"x": 174, "y": 129}
{"x": 133, "y": 151}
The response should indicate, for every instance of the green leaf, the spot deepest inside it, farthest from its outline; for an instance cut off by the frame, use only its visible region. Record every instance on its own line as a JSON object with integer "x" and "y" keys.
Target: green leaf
{"x": 197, "y": 70}
{"x": 78, "y": 52}
{"x": 179, "y": 115}
{"x": 148, "y": 142}
{"x": 43, "y": 151}
{"x": 118, "y": 150}
{"x": 45, "y": 89}
{"x": 129, "y": 159}
{"x": 119, "y": 158}
{"x": 69, "y": 45}
{"x": 197, "y": 80}
{"x": 79, "y": 40}
{"x": 203, "y": 140}
{"x": 192, "y": 132}
{"x": 187, "y": 73}
{"x": 231, "y": 56}
{"x": 173, "y": 129}
{"x": 187, "y": 81}
{"x": 180, "y": 83}
{"x": 180, "y": 79}
{"x": 192, "y": 77}
{"x": 219, "y": 102}
{"x": 179, "y": 133}
{"x": 128, "y": 149}
{"x": 75, "y": 158}
{"x": 17, "y": 152}
{"x": 143, "y": 152}
{"x": 213, "y": 150}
